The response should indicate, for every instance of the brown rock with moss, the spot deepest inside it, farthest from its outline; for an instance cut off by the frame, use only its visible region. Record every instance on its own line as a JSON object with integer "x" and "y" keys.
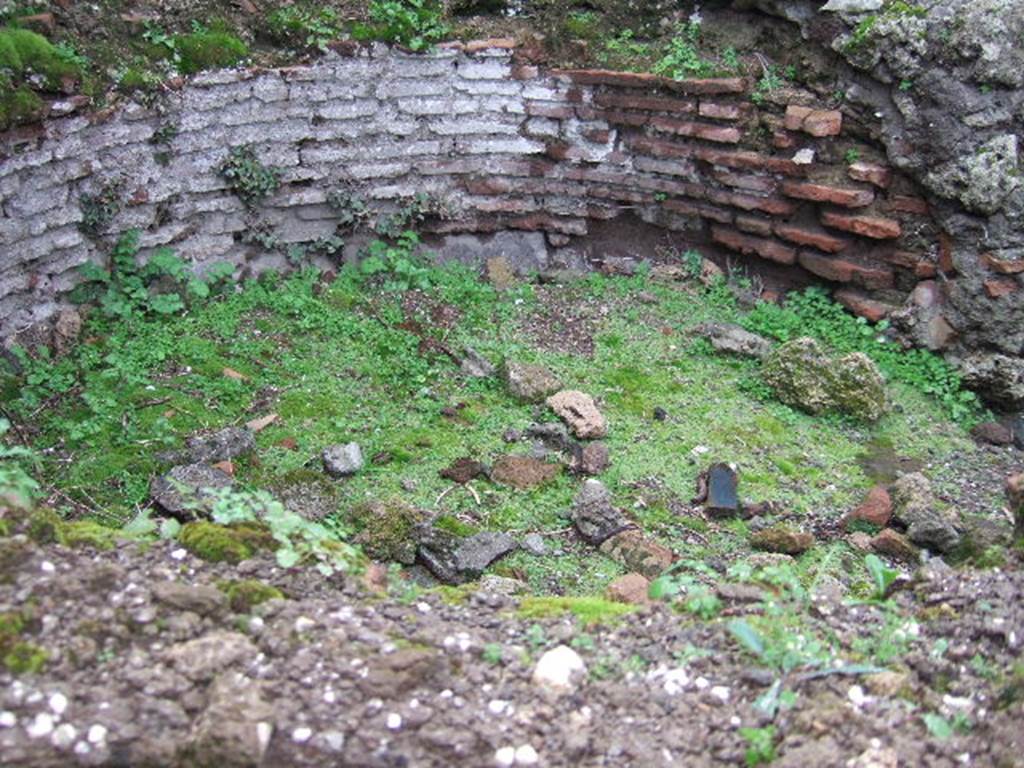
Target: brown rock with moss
{"x": 387, "y": 530}
{"x": 782, "y": 539}
{"x": 523, "y": 472}
{"x": 638, "y": 553}
{"x": 896, "y": 545}
{"x": 631, "y": 588}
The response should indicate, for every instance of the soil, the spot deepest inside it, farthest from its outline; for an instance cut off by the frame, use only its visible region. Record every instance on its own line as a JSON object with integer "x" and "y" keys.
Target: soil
{"x": 355, "y": 678}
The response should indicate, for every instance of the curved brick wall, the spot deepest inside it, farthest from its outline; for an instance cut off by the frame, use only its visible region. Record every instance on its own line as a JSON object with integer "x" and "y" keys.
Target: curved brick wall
{"x": 508, "y": 146}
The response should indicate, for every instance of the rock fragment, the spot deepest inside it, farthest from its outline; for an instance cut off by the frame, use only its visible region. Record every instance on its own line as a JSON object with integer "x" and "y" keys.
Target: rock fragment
{"x": 579, "y": 411}
{"x": 343, "y": 460}
{"x": 189, "y": 491}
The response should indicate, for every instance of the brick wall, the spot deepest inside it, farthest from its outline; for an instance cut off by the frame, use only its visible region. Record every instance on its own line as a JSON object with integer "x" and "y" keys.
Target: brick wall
{"x": 508, "y": 145}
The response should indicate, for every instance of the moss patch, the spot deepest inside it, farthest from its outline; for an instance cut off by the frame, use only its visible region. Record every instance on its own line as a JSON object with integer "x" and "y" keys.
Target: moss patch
{"x": 209, "y": 49}
{"x": 223, "y": 543}
{"x": 244, "y": 594}
{"x": 589, "y": 610}
{"x": 89, "y": 534}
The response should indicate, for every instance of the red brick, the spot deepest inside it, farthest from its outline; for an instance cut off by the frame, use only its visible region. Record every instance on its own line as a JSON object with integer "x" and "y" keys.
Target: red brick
{"x": 754, "y": 225}
{"x": 746, "y": 244}
{"x": 706, "y": 86}
{"x": 542, "y": 221}
{"x": 596, "y": 135}
{"x": 1003, "y": 266}
{"x": 783, "y": 140}
{"x": 554, "y": 111}
{"x": 946, "y": 264}
{"x": 863, "y": 305}
{"x": 873, "y": 173}
{"x": 752, "y": 161}
{"x": 998, "y": 287}
{"x": 502, "y": 43}
{"x": 489, "y": 185}
{"x": 815, "y": 238}
{"x": 906, "y": 204}
{"x": 711, "y": 212}
{"x": 925, "y": 269}
{"x": 816, "y": 122}
{"x": 610, "y": 77}
{"x": 721, "y": 134}
{"x": 505, "y": 205}
{"x": 750, "y": 182}
{"x": 821, "y": 193}
{"x": 719, "y": 111}
{"x": 843, "y": 271}
{"x": 867, "y": 226}
{"x": 875, "y": 509}
{"x": 773, "y": 205}
{"x": 617, "y": 117}
{"x": 525, "y": 71}
{"x": 646, "y": 103}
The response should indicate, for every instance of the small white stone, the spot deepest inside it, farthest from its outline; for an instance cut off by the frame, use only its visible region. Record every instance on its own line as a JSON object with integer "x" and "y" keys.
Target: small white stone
{"x": 735, "y": 722}
{"x": 8, "y": 719}
{"x": 394, "y": 721}
{"x": 304, "y": 624}
{"x": 264, "y": 731}
{"x": 423, "y": 607}
{"x": 720, "y": 692}
{"x": 58, "y": 703}
{"x": 804, "y": 157}
{"x": 330, "y": 697}
{"x": 857, "y": 696}
{"x": 497, "y": 706}
{"x": 701, "y": 683}
{"x": 82, "y": 748}
{"x": 334, "y": 740}
{"x": 505, "y": 757}
{"x": 557, "y": 669}
{"x": 526, "y": 755}
{"x": 179, "y": 554}
{"x": 41, "y": 726}
{"x": 96, "y": 734}
{"x": 302, "y": 734}
{"x": 47, "y": 567}
{"x": 64, "y": 736}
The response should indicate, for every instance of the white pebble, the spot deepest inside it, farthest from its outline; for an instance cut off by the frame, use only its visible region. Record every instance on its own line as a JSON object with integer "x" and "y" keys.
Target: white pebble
{"x": 557, "y": 669}
{"x": 497, "y": 706}
{"x": 394, "y": 721}
{"x": 58, "y": 703}
{"x": 302, "y": 734}
{"x": 96, "y": 734}
{"x": 701, "y": 683}
{"x": 330, "y": 697}
{"x": 47, "y": 566}
{"x": 82, "y": 748}
{"x": 64, "y": 736}
{"x": 423, "y": 607}
{"x": 735, "y": 722}
{"x": 304, "y": 624}
{"x": 8, "y": 720}
{"x": 179, "y": 554}
{"x": 505, "y": 757}
{"x": 857, "y": 696}
{"x": 41, "y": 726}
{"x": 526, "y": 755}
{"x": 720, "y": 692}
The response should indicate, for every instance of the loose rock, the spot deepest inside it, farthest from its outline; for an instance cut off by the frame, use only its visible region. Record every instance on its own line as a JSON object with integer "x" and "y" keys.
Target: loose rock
{"x": 733, "y": 339}
{"x": 915, "y": 508}
{"x": 992, "y": 432}
{"x": 530, "y": 383}
{"x": 783, "y": 539}
{"x": 188, "y": 491}
{"x": 476, "y": 365}
{"x": 197, "y": 598}
{"x": 876, "y": 509}
{"x": 590, "y": 459}
{"x": 638, "y": 553}
{"x": 523, "y": 472}
{"x": 579, "y": 411}
{"x": 559, "y": 670}
{"x": 343, "y": 460}
{"x": 802, "y": 376}
{"x": 895, "y": 545}
{"x": 226, "y": 444}
{"x": 631, "y": 588}
{"x": 594, "y": 515}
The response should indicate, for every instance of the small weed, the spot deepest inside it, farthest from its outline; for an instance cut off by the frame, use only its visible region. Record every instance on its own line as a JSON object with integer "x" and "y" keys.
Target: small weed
{"x": 304, "y": 26}
{"x": 493, "y": 654}
{"x": 250, "y": 179}
{"x": 589, "y": 610}
{"x": 414, "y": 24}
{"x": 851, "y": 156}
{"x": 760, "y": 745}
{"x": 99, "y": 210}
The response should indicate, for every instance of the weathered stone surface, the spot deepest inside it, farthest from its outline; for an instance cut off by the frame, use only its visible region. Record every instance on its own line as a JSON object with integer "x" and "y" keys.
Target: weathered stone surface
{"x": 1000, "y": 378}
{"x": 631, "y": 588}
{"x": 722, "y": 498}
{"x": 463, "y": 470}
{"x": 235, "y": 729}
{"x": 188, "y": 491}
{"x": 894, "y": 544}
{"x": 476, "y": 365}
{"x": 782, "y": 539}
{"x": 523, "y": 472}
{"x": 733, "y": 339}
{"x": 207, "y": 656}
{"x": 876, "y": 509}
{"x": 590, "y": 459}
{"x": 579, "y": 411}
{"x": 226, "y": 444}
{"x": 199, "y": 599}
{"x": 992, "y": 432}
{"x": 530, "y": 383}
{"x": 802, "y": 376}
{"x": 594, "y": 515}
{"x": 342, "y": 460}
{"x": 915, "y": 508}
{"x": 1015, "y": 498}
{"x": 638, "y": 553}
{"x": 478, "y": 551}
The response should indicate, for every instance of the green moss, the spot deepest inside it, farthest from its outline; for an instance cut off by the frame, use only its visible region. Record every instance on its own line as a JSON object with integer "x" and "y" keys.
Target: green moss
{"x": 23, "y": 52}
{"x": 222, "y": 543}
{"x": 88, "y": 533}
{"x": 386, "y": 530}
{"x": 44, "y": 526}
{"x": 589, "y": 610}
{"x": 209, "y": 50}
{"x": 454, "y": 526}
{"x": 244, "y": 594}
{"x": 25, "y": 658}
{"x": 17, "y": 105}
